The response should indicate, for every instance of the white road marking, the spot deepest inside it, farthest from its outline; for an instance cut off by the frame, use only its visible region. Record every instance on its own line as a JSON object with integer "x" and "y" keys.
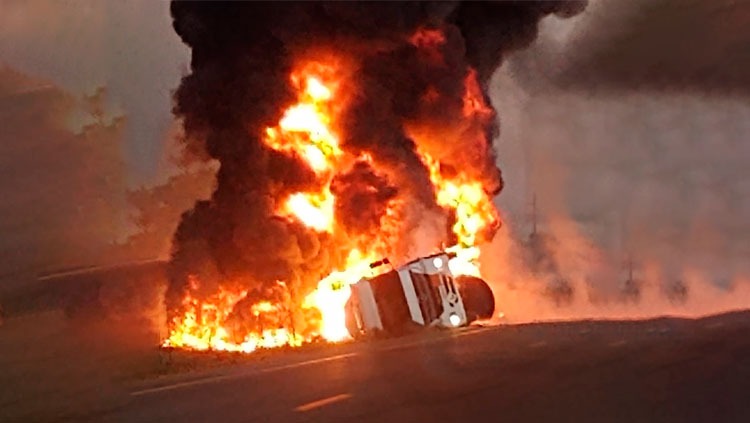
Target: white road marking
{"x": 437, "y": 339}
{"x": 322, "y": 402}
{"x": 219, "y": 378}
{"x": 212, "y": 379}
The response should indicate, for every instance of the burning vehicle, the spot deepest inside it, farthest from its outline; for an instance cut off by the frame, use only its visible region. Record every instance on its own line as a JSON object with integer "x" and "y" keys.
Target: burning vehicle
{"x": 421, "y": 293}
{"x": 344, "y": 133}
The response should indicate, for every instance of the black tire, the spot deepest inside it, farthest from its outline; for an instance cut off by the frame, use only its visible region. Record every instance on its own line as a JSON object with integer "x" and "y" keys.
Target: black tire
{"x": 479, "y": 302}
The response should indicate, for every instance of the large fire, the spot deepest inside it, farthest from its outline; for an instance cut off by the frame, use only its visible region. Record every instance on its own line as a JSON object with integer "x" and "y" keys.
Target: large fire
{"x": 307, "y": 130}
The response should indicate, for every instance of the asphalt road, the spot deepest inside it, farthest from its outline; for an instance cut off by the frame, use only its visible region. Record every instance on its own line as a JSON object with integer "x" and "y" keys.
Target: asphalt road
{"x": 655, "y": 371}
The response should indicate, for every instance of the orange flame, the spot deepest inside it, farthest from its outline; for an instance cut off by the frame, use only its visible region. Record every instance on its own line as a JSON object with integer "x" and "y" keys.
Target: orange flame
{"x": 315, "y": 209}
{"x": 304, "y": 129}
{"x": 307, "y": 131}
{"x": 474, "y": 104}
{"x": 203, "y": 324}
{"x": 333, "y": 292}
{"x": 473, "y": 207}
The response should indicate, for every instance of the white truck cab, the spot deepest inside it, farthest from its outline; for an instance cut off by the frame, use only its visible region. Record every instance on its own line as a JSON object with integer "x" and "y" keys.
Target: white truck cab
{"x": 422, "y": 292}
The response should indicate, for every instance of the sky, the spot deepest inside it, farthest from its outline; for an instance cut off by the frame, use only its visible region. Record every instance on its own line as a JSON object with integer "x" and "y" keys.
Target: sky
{"x": 129, "y": 47}
{"x": 630, "y": 118}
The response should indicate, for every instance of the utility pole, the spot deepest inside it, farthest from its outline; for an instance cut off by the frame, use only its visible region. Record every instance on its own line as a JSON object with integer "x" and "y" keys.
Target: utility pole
{"x": 533, "y": 215}
{"x": 630, "y": 267}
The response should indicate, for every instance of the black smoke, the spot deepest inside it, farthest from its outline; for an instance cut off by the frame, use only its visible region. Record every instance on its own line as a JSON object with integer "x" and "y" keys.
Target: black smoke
{"x": 242, "y": 56}
{"x": 668, "y": 46}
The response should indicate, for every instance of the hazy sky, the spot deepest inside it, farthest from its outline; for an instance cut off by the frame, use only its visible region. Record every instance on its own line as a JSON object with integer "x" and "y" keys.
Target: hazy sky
{"x": 127, "y": 46}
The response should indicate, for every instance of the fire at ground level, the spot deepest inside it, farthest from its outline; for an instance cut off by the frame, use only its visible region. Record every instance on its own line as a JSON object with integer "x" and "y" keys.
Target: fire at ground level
{"x": 658, "y": 370}
{"x": 370, "y": 299}
{"x": 661, "y": 370}
{"x": 99, "y": 364}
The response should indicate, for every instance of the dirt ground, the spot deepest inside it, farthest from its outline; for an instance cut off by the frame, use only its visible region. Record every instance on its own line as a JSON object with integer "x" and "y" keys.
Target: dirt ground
{"x": 55, "y": 369}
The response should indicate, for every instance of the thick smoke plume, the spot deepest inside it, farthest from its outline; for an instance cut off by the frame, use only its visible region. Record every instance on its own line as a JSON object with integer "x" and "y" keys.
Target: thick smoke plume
{"x": 634, "y": 175}
{"x": 409, "y": 67}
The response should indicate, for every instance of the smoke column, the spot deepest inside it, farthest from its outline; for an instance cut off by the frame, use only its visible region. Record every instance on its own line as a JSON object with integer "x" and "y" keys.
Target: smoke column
{"x": 409, "y": 67}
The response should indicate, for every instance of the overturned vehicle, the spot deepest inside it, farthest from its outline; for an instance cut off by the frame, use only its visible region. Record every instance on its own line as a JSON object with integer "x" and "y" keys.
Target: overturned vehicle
{"x": 421, "y": 293}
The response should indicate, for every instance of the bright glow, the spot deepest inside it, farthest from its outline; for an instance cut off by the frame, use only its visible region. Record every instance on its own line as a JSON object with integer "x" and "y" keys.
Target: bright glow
{"x": 201, "y": 326}
{"x": 317, "y": 90}
{"x": 333, "y": 292}
{"x": 308, "y": 131}
{"x": 465, "y": 261}
{"x": 314, "y": 210}
{"x": 305, "y": 131}
{"x": 454, "y": 319}
{"x": 305, "y": 128}
{"x": 437, "y": 262}
{"x": 473, "y": 207}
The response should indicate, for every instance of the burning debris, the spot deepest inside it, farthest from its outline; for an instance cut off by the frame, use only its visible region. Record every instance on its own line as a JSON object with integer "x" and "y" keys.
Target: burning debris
{"x": 339, "y": 129}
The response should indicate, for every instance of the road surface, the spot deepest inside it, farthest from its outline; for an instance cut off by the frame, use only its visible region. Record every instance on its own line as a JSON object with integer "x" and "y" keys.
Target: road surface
{"x": 664, "y": 370}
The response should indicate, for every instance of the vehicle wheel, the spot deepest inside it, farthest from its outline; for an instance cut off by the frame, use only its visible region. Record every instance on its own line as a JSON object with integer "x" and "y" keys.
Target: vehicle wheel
{"x": 479, "y": 302}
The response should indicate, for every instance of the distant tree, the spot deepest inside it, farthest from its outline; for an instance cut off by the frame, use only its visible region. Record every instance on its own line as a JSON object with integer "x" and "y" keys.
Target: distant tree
{"x": 62, "y": 186}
